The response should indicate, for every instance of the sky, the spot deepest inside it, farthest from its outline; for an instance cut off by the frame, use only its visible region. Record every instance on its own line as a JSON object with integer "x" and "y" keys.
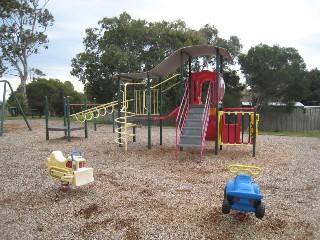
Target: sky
{"x": 287, "y": 23}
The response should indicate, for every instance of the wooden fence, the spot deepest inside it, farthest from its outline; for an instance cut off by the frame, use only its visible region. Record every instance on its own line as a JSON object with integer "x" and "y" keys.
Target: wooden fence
{"x": 306, "y": 121}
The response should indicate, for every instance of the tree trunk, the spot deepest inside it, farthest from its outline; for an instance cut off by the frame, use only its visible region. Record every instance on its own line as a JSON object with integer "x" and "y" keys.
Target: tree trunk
{"x": 23, "y": 78}
{"x": 25, "y": 102}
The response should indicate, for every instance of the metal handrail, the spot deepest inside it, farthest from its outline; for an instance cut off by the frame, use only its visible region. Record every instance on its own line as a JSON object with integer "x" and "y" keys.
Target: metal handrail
{"x": 168, "y": 79}
{"x": 205, "y": 118}
{"x": 182, "y": 114}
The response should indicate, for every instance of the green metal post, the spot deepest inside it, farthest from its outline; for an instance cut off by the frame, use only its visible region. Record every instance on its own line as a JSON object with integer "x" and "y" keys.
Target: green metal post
{"x": 65, "y": 114}
{"x": 113, "y": 127}
{"x": 68, "y": 118}
{"x": 221, "y": 71}
{"x": 46, "y": 112}
{"x": 119, "y": 110}
{"x": 134, "y": 110}
{"x": 161, "y": 111}
{"x": 17, "y": 101}
{"x": 181, "y": 76}
{"x": 85, "y": 122}
{"x": 254, "y": 132}
{"x": 95, "y": 114}
{"x": 3, "y": 107}
{"x": 217, "y": 100}
{"x": 149, "y": 111}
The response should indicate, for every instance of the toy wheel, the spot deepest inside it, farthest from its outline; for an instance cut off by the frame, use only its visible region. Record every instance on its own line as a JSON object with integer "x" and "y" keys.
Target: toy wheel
{"x": 230, "y": 199}
{"x": 260, "y": 210}
{"x": 225, "y": 206}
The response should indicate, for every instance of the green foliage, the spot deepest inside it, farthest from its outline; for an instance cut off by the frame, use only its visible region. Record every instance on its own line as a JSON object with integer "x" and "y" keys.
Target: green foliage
{"x": 11, "y": 102}
{"x": 123, "y": 44}
{"x": 53, "y": 89}
{"x": 313, "y": 98}
{"x": 210, "y": 33}
{"x": 232, "y": 97}
{"x": 22, "y": 31}
{"x": 274, "y": 74}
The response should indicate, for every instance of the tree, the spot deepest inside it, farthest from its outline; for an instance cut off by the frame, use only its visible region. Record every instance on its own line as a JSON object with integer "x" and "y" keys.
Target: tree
{"x": 2, "y": 68}
{"x": 274, "y": 74}
{"x": 234, "y": 88}
{"x": 313, "y": 98}
{"x": 210, "y": 33}
{"x": 123, "y": 44}
{"x": 36, "y": 73}
{"x": 53, "y": 89}
{"x": 22, "y": 32}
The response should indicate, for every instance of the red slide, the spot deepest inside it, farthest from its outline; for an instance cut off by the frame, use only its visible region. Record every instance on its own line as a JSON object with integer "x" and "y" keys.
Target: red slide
{"x": 173, "y": 114}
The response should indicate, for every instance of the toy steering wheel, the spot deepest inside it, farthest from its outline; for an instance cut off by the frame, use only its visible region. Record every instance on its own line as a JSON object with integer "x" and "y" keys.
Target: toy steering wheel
{"x": 251, "y": 170}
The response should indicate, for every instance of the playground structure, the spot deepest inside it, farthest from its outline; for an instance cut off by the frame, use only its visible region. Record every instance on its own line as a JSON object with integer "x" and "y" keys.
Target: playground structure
{"x": 200, "y": 116}
{"x": 69, "y": 170}
{"x": 3, "y": 106}
{"x": 67, "y": 128}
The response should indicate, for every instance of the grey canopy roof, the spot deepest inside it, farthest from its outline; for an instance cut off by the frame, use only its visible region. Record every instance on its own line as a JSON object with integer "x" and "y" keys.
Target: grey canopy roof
{"x": 172, "y": 63}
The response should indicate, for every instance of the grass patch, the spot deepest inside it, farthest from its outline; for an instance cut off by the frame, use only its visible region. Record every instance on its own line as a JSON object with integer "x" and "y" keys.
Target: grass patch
{"x": 296, "y": 134}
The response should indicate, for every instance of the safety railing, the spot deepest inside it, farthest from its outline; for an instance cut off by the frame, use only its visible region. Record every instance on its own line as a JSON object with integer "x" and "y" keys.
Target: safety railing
{"x": 205, "y": 118}
{"x": 239, "y": 126}
{"x": 141, "y": 103}
{"x": 182, "y": 115}
{"x": 141, "y": 96}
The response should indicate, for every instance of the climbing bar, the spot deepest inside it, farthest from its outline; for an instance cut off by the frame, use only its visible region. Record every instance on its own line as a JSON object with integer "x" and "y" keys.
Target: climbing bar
{"x": 104, "y": 106}
{"x": 96, "y": 112}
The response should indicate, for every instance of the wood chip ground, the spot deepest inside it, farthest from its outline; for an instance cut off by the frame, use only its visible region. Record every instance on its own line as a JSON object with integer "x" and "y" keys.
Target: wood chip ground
{"x": 152, "y": 194}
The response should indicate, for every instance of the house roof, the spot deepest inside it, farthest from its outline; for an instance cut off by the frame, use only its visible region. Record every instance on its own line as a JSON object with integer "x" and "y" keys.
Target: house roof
{"x": 276, "y": 104}
{"x": 281, "y": 104}
{"x": 172, "y": 63}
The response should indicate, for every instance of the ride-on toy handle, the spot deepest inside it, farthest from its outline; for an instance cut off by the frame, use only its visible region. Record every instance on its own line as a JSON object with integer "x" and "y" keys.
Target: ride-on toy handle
{"x": 251, "y": 170}
{"x": 72, "y": 159}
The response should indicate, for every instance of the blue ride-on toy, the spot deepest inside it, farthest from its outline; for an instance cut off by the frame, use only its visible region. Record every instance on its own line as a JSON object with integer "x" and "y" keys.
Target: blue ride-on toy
{"x": 243, "y": 194}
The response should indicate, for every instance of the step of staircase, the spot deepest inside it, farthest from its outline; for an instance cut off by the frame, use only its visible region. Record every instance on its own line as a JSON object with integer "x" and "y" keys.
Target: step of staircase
{"x": 196, "y": 108}
{"x": 190, "y": 141}
{"x": 193, "y": 123}
{"x": 195, "y": 131}
{"x": 189, "y": 145}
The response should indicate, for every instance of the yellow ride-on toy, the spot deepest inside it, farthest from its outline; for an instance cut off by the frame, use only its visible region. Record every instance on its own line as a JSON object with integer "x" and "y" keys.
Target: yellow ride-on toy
{"x": 69, "y": 170}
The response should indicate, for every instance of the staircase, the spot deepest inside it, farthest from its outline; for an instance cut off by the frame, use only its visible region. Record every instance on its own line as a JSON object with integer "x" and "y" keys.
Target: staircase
{"x": 191, "y": 132}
